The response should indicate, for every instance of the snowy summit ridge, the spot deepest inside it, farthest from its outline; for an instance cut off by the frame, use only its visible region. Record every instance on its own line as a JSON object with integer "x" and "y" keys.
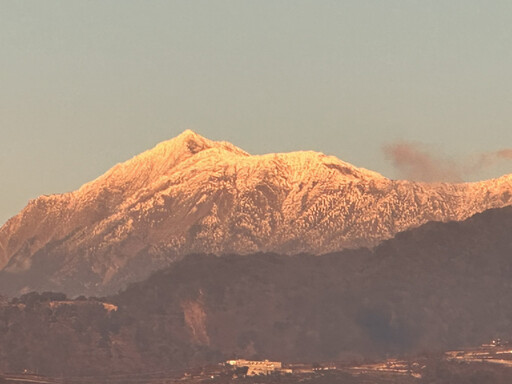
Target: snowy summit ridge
{"x": 190, "y": 194}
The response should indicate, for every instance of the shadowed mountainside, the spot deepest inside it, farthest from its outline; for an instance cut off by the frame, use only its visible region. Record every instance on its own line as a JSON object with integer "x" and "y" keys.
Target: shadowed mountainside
{"x": 440, "y": 286}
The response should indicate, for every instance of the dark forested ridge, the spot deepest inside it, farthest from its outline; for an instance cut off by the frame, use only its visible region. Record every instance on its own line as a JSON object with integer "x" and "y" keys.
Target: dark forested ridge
{"x": 440, "y": 286}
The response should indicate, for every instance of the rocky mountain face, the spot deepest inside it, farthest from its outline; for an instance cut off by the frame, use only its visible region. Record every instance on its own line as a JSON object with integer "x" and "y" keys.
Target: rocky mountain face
{"x": 193, "y": 195}
{"x": 433, "y": 288}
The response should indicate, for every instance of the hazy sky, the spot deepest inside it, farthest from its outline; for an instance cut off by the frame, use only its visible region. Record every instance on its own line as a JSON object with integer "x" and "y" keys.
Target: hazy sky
{"x": 86, "y": 84}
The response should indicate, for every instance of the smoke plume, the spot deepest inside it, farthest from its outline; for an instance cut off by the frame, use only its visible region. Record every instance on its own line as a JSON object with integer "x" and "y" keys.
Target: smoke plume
{"x": 415, "y": 161}
{"x": 489, "y": 159}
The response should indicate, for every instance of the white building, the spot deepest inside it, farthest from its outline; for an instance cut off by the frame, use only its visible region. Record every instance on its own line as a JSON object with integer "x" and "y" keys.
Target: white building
{"x": 255, "y": 367}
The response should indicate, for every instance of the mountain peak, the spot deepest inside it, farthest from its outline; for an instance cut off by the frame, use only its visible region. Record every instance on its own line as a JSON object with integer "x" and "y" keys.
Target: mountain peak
{"x": 190, "y": 194}
{"x": 159, "y": 161}
{"x": 189, "y": 143}
{"x": 188, "y": 133}
{"x": 188, "y": 140}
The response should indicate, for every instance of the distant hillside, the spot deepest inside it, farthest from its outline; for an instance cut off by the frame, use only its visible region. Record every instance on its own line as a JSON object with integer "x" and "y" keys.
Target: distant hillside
{"x": 193, "y": 195}
{"x": 440, "y": 286}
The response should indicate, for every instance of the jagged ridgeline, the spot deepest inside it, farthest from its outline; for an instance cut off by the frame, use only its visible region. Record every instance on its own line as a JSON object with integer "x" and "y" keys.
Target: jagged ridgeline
{"x": 194, "y": 195}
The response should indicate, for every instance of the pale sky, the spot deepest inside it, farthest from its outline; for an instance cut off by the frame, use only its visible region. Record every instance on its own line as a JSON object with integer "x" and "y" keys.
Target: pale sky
{"x": 87, "y": 84}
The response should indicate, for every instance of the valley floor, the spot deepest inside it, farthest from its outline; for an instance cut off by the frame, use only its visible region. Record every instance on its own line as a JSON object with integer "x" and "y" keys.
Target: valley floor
{"x": 489, "y": 363}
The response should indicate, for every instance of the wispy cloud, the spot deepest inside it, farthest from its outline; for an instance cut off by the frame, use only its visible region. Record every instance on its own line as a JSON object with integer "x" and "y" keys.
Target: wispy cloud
{"x": 416, "y": 161}
{"x": 489, "y": 159}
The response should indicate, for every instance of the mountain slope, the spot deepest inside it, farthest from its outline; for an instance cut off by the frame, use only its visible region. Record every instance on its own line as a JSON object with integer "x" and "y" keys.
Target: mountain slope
{"x": 433, "y": 288}
{"x": 190, "y": 194}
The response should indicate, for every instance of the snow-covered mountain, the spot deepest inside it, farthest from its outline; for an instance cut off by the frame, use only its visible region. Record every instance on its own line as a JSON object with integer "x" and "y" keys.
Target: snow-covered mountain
{"x": 191, "y": 194}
